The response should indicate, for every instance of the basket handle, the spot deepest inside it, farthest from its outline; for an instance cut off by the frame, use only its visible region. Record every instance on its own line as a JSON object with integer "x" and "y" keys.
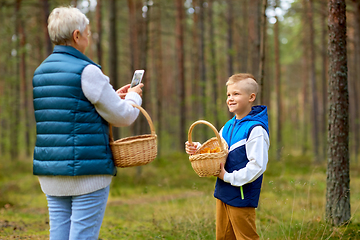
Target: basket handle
{"x": 152, "y": 128}
{"x": 211, "y": 126}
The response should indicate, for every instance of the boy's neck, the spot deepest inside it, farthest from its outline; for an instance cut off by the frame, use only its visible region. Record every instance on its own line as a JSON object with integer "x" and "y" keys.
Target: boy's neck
{"x": 240, "y": 116}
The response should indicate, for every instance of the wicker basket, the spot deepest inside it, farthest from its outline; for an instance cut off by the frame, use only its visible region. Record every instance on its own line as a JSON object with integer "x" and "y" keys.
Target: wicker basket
{"x": 136, "y": 150}
{"x": 208, "y": 164}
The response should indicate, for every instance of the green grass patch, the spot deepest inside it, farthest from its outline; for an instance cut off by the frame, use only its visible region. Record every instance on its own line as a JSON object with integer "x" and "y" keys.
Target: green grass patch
{"x": 167, "y": 200}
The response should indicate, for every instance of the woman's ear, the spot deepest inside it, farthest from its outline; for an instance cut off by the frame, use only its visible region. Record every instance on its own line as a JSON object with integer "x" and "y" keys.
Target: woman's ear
{"x": 76, "y": 35}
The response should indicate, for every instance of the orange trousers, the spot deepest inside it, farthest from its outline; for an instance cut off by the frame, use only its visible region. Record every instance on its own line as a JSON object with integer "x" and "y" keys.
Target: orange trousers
{"x": 236, "y": 223}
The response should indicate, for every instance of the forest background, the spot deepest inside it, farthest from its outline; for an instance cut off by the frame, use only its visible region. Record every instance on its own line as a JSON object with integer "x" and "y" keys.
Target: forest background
{"x": 188, "y": 49}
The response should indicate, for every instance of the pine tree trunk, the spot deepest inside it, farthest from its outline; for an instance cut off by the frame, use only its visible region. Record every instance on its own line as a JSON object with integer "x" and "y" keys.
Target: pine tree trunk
{"x": 46, "y": 13}
{"x": 254, "y": 35}
{"x": 213, "y": 67}
{"x": 315, "y": 112}
{"x": 99, "y": 32}
{"x": 261, "y": 95}
{"x": 113, "y": 56}
{"x": 278, "y": 91}
{"x": 338, "y": 179}
{"x": 230, "y": 20}
{"x": 356, "y": 5}
{"x": 159, "y": 78}
{"x": 179, "y": 29}
{"x": 324, "y": 81}
{"x": 305, "y": 77}
{"x": 202, "y": 112}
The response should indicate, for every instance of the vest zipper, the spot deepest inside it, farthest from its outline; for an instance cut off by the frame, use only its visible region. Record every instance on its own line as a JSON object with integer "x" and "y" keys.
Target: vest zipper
{"x": 231, "y": 134}
{"x": 242, "y": 193}
{"x": 241, "y": 188}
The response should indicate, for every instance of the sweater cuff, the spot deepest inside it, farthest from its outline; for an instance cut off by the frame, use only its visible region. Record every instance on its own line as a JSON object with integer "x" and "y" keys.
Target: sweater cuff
{"x": 133, "y": 96}
{"x": 227, "y": 177}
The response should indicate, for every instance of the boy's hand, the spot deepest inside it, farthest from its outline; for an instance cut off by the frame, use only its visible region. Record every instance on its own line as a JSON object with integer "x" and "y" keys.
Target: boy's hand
{"x": 190, "y": 148}
{"x": 222, "y": 172}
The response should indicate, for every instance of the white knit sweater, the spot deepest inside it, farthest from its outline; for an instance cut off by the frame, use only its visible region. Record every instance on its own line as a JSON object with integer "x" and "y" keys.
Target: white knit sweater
{"x": 97, "y": 89}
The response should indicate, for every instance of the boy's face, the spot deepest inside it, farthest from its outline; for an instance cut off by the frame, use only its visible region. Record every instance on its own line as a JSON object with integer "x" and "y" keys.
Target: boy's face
{"x": 239, "y": 99}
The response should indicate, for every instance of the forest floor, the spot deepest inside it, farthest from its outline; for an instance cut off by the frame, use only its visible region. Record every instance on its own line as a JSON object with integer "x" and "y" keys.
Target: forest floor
{"x": 167, "y": 200}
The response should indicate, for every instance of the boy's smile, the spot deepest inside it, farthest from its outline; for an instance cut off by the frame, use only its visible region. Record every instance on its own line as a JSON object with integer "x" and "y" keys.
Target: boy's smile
{"x": 239, "y": 99}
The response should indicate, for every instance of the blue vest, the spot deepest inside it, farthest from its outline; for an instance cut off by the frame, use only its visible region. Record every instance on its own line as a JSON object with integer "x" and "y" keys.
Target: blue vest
{"x": 236, "y": 132}
{"x": 72, "y": 138}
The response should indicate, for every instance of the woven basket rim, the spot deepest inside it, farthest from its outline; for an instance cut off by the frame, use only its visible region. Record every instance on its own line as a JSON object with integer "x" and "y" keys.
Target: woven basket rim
{"x": 207, "y": 156}
{"x": 223, "y": 147}
{"x": 130, "y": 140}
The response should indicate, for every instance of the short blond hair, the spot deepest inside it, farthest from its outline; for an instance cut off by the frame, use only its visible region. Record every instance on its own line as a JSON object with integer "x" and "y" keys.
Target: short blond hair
{"x": 252, "y": 85}
{"x": 63, "y": 21}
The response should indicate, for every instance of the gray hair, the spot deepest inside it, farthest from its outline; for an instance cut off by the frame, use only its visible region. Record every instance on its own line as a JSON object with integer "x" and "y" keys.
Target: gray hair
{"x": 63, "y": 21}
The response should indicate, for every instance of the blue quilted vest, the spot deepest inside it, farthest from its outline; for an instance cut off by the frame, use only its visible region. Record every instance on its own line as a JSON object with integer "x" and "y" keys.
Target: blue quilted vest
{"x": 236, "y": 132}
{"x": 72, "y": 138}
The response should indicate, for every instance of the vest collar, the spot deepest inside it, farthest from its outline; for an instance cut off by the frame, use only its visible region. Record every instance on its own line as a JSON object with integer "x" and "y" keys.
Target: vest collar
{"x": 74, "y": 52}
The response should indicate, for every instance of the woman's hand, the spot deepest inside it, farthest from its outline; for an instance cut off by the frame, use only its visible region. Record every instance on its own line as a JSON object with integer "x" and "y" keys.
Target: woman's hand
{"x": 123, "y": 91}
{"x": 191, "y": 148}
{"x": 137, "y": 89}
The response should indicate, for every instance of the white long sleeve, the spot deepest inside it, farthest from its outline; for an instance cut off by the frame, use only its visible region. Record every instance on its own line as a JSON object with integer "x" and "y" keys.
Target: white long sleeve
{"x": 257, "y": 147}
{"x": 98, "y": 91}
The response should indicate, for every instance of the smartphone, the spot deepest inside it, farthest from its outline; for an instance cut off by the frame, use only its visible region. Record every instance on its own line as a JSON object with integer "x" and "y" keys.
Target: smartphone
{"x": 138, "y": 75}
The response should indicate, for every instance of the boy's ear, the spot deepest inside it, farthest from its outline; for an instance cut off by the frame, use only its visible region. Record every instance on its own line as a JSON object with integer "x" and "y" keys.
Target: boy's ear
{"x": 252, "y": 97}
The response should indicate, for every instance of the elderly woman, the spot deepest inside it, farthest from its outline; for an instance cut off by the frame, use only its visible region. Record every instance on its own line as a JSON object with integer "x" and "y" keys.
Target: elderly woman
{"x": 73, "y": 103}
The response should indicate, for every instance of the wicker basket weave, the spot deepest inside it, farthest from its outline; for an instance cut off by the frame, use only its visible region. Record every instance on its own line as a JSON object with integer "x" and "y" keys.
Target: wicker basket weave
{"x": 208, "y": 164}
{"x": 136, "y": 150}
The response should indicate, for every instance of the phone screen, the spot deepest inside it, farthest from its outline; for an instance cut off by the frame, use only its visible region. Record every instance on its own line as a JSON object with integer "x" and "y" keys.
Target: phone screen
{"x": 138, "y": 75}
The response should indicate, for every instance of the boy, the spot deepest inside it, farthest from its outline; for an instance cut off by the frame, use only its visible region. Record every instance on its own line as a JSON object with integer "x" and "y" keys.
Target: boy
{"x": 238, "y": 185}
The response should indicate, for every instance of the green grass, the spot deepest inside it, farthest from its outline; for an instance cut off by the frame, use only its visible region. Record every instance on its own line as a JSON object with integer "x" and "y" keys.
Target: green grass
{"x": 169, "y": 201}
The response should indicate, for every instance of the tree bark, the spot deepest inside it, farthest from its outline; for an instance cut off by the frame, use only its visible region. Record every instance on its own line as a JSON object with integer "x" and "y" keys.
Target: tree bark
{"x": 338, "y": 178}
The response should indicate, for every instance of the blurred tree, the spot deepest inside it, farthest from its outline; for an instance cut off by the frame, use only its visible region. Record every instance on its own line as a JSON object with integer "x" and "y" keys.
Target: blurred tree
{"x": 213, "y": 61}
{"x": 324, "y": 69}
{"x": 113, "y": 53}
{"x": 179, "y": 32}
{"x": 278, "y": 88}
{"x": 158, "y": 55}
{"x": 313, "y": 87}
{"x": 99, "y": 30}
{"x": 254, "y": 35}
{"x": 45, "y": 14}
{"x": 264, "y": 91}
{"x": 354, "y": 80}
